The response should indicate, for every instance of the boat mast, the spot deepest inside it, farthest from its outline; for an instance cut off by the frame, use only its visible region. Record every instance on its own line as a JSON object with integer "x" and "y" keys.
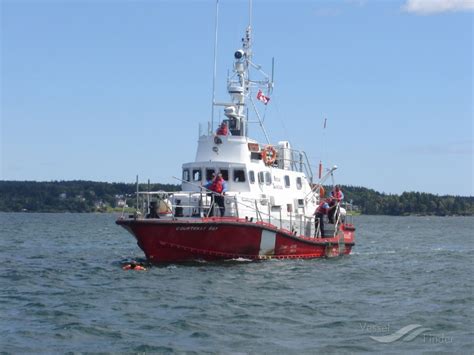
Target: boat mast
{"x": 239, "y": 84}
{"x": 215, "y": 67}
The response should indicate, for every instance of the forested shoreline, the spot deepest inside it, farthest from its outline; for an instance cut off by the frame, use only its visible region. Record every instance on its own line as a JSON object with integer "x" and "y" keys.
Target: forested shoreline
{"x": 91, "y": 196}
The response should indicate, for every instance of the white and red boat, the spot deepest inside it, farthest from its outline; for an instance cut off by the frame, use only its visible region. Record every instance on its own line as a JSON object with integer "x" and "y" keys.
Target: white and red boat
{"x": 270, "y": 197}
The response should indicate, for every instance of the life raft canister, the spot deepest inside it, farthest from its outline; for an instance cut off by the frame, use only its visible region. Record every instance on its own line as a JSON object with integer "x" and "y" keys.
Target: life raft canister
{"x": 269, "y": 155}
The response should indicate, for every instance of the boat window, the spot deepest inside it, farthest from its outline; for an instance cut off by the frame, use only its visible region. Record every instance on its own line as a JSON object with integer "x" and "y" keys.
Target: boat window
{"x": 255, "y": 156}
{"x": 186, "y": 174}
{"x": 252, "y": 176}
{"x": 239, "y": 175}
{"x": 197, "y": 175}
{"x": 268, "y": 178}
{"x": 299, "y": 184}
{"x": 225, "y": 174}
{"x": 287, "y": 181}
{"x": 209, "y": 173}
{"x": 261, "y": 177}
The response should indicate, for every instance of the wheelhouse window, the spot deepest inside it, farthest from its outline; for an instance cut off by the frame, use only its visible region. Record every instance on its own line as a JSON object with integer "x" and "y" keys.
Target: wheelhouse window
{"x": 186, "y": 174}
{"x": 225, "y": 174}
{"x": 209, "y": 173}
{"x": 287, "y": 181}
{"x": 252, "y": 176}
{"x": 197, "y": 176}
{"x": 239, "y": 175}
{"x": 261, "y": 177}
{"x": 299, "y": 184}
{"x": 268, "y": 178}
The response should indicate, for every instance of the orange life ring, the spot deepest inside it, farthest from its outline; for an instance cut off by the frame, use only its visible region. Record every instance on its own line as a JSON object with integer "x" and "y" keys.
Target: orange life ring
{"x": 269, "y": 155}
{"x": 133, "y": 267}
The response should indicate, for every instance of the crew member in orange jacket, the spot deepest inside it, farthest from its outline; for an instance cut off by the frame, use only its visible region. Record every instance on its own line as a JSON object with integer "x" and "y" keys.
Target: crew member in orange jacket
{"x": 322, "y": 210}
{"x": 219, "y": 186}
{"x": 337, "y": 193}
{"x": 337, "y": 197}
{"x": 223, "y": 130}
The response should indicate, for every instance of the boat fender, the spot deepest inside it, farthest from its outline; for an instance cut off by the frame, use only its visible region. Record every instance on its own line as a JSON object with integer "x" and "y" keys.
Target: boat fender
{"x": 343, "y": 214}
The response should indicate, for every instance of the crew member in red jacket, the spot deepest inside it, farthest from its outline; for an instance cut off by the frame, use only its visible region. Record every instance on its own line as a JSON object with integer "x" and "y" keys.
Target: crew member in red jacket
{"x": 322, "y": 210}
{"x": 336, "y": 197}
{"x": 223, "y": 130}
{"x": 337, "y": 193}
{"x": 219, "y": 187}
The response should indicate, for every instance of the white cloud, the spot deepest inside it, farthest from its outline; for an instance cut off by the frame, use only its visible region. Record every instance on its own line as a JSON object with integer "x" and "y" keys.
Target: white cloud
{"x": 427, "y": 7}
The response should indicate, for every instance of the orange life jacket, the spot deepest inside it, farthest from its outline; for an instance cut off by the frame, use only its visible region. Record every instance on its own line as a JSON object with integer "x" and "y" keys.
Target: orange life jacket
{"x": 222, "y": 131}
{"x": 217, "y": 185}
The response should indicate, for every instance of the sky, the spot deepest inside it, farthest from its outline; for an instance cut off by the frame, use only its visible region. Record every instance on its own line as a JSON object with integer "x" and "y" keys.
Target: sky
{"x": 105, "y": 90}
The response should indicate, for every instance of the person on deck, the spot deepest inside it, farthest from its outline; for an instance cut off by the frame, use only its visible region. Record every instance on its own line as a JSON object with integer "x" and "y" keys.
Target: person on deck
{"x": 337, "y": 194}
{"x": 336, "y": 197}
{"x": 219, "y": 187}
{"x": 208, "y": 186}
{"x": 223, "y": 130}
{"x": 322, "y": 210}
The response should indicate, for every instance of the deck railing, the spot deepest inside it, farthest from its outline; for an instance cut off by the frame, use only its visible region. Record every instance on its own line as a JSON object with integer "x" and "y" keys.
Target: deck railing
{"x": 295, "y": 222}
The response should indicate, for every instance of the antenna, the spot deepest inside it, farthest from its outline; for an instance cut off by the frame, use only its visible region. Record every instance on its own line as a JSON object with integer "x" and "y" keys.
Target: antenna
{"x": 273, "y": 72}
{"x": 215, "y": 67}
{"x": 250, "y": 13}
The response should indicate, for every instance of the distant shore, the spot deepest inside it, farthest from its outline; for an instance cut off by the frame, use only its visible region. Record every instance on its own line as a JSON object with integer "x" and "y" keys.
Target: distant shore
{"x": 91, "y": 196}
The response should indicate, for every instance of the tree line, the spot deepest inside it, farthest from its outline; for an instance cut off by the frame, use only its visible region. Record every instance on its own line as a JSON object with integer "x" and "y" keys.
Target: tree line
{"x": 371, "y": 202}
{"x": 70, "y": 196}
{"x": 91, "y": 196}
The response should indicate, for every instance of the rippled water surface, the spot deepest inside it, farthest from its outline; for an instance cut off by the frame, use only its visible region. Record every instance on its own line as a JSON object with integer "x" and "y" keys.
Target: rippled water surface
{"x": 63, "y": 289}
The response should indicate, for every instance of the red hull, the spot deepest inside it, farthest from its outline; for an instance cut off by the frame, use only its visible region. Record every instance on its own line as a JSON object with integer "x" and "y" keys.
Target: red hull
{"x": 227, "y": 238}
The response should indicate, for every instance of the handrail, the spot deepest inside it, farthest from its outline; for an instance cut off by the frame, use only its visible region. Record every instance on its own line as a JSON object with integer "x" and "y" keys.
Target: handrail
{"x": 295, "y": 221}
{"x": 338, "y": 217}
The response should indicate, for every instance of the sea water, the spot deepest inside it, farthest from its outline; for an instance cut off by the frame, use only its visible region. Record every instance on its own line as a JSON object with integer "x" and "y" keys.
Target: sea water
{"x": 408, "y": 286}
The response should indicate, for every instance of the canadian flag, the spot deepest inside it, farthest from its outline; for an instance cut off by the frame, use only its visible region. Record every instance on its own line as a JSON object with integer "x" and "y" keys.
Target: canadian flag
{"x": 262, "y": 97}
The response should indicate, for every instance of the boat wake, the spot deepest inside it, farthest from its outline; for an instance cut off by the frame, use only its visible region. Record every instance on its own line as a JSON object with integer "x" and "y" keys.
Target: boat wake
{"x": 240, "y": 260}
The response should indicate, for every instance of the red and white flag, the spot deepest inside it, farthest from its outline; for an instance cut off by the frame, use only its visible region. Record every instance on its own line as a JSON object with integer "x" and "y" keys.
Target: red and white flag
{"x": 262, "y": 97}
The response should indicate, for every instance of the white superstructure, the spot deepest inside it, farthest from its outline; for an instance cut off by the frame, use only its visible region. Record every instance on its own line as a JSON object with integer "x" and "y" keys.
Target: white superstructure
{"x": 272, "y": 183}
